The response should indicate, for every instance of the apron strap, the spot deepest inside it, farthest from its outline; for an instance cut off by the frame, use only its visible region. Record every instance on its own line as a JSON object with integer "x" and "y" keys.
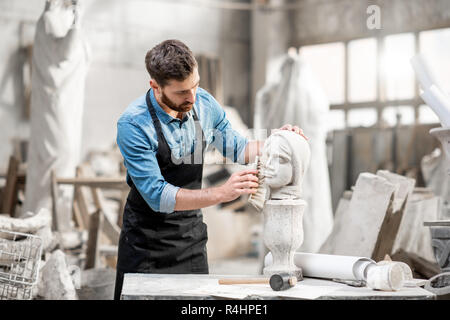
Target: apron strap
{"x": 152, "y": 111}
{"x": 155, "y": 118}
{"x": 195, "y": 114}
{"x": 199, "y": 150}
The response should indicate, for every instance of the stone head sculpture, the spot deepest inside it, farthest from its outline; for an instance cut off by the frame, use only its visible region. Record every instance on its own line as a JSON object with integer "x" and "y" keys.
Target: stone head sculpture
{"x": 285, "y": 160}
{"x": 282, "y": 166}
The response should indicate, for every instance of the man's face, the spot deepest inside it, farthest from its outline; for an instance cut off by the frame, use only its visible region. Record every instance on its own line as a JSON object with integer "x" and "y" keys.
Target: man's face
{"x": 180, "y": 95}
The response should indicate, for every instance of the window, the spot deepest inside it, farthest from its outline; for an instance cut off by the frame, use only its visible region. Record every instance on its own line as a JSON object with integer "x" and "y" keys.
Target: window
{"x": 406, "y": 114}
{"x": 362, "y": 117}
{"x": 362, "y": 70}
{"x": 378, "y": 74}
{"x": 327, "y": 62}
{"x": 396, "y": 66}
{"x": 335, "y": 120}
{"x": 435, "y": 46}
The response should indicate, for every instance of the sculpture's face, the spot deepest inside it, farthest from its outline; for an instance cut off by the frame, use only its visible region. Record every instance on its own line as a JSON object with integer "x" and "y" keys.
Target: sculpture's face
{"x": 278, "y": 169}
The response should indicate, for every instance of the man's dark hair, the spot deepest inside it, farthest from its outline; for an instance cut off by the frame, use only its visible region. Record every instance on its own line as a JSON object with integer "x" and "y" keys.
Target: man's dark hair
{"x": 171, "y": 59}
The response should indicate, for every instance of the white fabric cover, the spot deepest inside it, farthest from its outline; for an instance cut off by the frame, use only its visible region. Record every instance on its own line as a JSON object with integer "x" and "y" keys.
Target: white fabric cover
{"x": 297, "y": 98}
{"x": 58, "y": 77}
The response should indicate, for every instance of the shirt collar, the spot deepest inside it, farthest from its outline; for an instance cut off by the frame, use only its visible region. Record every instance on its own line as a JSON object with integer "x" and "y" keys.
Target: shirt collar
{"x": 164, "y": 116}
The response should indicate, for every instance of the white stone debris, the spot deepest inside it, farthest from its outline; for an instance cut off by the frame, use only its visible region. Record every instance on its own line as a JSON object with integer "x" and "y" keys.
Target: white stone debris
{"x": 56, "y": 281}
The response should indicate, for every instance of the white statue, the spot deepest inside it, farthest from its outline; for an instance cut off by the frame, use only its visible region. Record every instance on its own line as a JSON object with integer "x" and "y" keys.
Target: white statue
{"x": 60, "y": 64}
{"x": 285, "y": 159}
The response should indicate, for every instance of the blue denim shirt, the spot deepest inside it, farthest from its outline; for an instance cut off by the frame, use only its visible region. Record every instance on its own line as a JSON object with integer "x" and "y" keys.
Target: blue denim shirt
{"x": 138, "y": 143}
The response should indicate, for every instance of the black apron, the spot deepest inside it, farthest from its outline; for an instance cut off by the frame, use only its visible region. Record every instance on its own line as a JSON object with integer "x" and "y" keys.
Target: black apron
{"x": 156, "y": 242}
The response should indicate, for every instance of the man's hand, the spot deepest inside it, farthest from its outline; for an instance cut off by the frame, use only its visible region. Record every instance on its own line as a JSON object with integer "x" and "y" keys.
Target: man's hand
{"x": 295, "y": 129}
{"x": 244, "y": 182}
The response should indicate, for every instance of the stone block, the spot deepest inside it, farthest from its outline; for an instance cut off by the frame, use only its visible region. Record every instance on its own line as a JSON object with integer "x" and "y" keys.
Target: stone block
{"x": 56, "y": 281}
{"x": 360, "y": 225}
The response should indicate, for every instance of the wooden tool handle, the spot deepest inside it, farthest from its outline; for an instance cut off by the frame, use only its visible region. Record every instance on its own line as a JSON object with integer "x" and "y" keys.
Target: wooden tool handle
{"x": 244, "y": 281}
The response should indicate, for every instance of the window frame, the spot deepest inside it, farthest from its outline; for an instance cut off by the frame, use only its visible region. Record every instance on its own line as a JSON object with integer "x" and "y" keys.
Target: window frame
{"x": 380, "y": 102}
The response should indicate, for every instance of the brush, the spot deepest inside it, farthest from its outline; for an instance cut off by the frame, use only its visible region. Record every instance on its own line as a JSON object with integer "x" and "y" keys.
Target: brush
{"x": 257, "y": 199}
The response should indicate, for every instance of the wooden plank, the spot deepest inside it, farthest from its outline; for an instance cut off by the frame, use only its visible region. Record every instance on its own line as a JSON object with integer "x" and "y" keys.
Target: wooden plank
{"x": 420, "y": 267}
{"x": 10, "y": 190}
{"x": 80, "y": 200}
{"x": 388, "y": 232}
{"x": 95, "y": 182}
{"x": 79, "y": 223}
{"x": 338, "y": 170}
{"x": 75, "y": 207}
{"x": 54, "y": 193}
{"x": 440, "y": 223}
{"x": 93, "y": 245}
{"x": 111, "y": 230}
{"x": 20, "y": 177}
{"x": 109, "y": 227}
{"x": 96, "y": 198}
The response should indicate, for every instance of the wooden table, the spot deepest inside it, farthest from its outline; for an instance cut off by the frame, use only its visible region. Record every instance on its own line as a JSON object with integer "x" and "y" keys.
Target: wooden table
{"x": 188, "y": 286}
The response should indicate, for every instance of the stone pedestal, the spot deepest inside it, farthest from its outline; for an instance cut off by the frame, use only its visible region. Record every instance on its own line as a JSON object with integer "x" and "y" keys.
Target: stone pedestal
{"x": 440, "y": 234}
{"x": 283, "y": 234}
{"x": 441, "y": 246}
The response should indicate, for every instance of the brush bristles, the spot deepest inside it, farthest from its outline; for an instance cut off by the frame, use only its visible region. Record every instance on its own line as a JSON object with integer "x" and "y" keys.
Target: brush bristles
{"x": 257, "y": 199}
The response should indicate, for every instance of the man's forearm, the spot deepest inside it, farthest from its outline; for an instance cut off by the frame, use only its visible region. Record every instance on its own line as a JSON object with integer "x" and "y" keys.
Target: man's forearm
{"x": 240, "y": 183}
{"x": 187, "y": 199}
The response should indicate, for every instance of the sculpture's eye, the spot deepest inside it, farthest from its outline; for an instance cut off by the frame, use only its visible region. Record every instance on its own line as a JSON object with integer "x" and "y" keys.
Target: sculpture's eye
{"x": 283, "y": 160}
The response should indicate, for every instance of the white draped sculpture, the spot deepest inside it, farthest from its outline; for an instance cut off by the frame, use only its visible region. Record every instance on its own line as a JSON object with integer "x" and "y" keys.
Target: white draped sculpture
{"x": 298, "y": 99}
{"x": 60, "y": 63}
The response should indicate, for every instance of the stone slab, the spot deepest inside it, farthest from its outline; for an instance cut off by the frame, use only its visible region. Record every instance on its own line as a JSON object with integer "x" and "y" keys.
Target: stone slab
{"x": 360, "y": 225}
{"x": 412, "y": 235}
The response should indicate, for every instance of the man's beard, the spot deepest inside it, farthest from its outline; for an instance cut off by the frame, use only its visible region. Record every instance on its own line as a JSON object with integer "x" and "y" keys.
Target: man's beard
{"x": 184, "y": 107}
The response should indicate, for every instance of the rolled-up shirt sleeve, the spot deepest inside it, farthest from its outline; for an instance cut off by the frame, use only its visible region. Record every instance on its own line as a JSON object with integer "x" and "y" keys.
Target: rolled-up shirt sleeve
{"x": 143, "y": 169}
{"x": 228, "y": 141}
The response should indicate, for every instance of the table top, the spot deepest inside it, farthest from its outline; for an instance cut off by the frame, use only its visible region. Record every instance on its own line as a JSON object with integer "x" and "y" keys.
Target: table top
{"x": 138, "y": 286}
